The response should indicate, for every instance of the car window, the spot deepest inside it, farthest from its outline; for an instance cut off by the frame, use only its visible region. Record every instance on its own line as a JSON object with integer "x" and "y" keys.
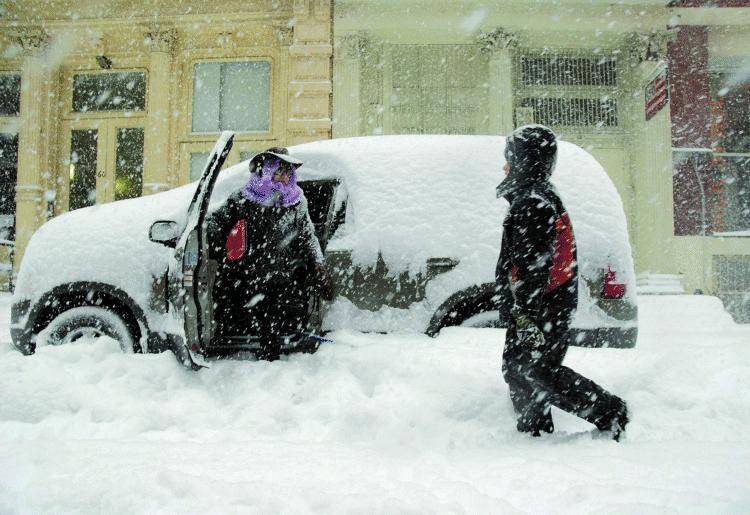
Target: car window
{"x": 319, "y": 196}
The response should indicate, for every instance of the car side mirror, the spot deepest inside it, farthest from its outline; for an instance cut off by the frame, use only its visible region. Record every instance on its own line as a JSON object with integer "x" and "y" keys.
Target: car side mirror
{"x": 440, "y": 265}
{"x": 165, "y": 232}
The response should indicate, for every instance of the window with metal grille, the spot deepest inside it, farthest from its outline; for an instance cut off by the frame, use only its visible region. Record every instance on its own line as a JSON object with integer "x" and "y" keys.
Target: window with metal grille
{"x": 568, "y": 71}
{"x": 573, "y": 111}
{"x": 566, "y": 89}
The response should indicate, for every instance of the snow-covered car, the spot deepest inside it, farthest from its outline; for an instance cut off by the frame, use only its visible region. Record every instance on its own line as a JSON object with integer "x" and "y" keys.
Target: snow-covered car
{"x": 418, "y": 235}
{"x": 410, "y": 225}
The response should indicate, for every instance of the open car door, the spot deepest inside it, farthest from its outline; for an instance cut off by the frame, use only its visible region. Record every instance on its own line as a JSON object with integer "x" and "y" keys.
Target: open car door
{"x": 189, "y": 268}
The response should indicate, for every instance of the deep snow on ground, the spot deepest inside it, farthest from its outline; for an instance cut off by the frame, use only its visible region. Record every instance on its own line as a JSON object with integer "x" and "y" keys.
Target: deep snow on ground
{"x": 377, "y": 424}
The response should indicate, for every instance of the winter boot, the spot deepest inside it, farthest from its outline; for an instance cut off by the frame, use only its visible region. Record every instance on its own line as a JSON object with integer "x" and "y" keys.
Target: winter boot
{"x": 615, "y": 421}
{"x": 535, "y": 421}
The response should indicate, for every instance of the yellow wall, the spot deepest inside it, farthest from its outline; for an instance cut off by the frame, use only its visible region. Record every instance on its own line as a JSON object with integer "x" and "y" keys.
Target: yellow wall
{"x": 47, "y": 45}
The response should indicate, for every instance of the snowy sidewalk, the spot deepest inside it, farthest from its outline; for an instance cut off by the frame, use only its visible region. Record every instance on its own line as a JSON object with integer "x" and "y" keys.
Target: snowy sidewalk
{"x": 378, "y": 423}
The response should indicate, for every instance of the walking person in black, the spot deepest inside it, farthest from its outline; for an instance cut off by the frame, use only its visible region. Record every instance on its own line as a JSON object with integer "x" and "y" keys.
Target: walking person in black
{"x": 537, "y": 282}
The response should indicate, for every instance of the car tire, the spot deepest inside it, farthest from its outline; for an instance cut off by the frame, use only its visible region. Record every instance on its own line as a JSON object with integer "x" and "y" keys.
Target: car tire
{"x": 483, "y": 319}
{"x": 87, "y": 322}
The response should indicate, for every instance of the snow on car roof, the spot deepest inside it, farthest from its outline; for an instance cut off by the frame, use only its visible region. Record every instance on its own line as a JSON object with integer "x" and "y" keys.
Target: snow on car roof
{"x": 416, "y": 197}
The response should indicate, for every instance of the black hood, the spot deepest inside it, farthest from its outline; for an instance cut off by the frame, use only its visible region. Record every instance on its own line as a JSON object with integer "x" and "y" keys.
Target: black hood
{"x": 531, "y": 153}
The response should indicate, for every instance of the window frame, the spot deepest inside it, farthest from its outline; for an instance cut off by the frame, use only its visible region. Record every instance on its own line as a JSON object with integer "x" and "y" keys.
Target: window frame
{"x": 67, "y": 93}
{"x": 616, "y": 92}
{"x": 191, "y": 64}
{"x": 392, "y": 113}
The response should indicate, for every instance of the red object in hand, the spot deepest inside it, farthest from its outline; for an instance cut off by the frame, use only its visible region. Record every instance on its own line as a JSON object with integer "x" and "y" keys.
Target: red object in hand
{"x": 612, "y": 289}
{"x": 236, "y": 245}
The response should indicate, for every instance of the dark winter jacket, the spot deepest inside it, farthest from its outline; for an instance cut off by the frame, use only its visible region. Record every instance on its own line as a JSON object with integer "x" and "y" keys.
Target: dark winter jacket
{"x": 537, "y": 269}
{"x": 265, "y": 245}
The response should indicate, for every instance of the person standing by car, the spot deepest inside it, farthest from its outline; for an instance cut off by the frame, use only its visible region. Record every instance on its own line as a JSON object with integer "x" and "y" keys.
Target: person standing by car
{"x": 268, "y": 254}
{"x": 537, "y": 282}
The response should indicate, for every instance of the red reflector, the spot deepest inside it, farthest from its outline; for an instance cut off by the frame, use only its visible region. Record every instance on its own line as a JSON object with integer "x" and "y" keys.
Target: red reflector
{"x": 187, "y": 277}
{"x": 612, "y": 289}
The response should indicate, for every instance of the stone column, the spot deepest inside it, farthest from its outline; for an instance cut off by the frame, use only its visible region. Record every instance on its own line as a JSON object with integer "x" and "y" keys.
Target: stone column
{"x": 36, "y": 91}
{"x": 310, "y": 56}
{"x": 651, "y": 149}
{"x": 346, "y": 95}
{"x": 500, "y": 44}
{"x": 156, "y": 151}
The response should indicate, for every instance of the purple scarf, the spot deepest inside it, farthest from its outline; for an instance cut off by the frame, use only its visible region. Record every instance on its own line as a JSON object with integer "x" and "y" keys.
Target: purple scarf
{"x": 262, "y": 190}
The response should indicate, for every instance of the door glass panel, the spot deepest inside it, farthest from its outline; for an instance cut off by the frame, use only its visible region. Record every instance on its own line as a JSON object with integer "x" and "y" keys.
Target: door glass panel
{"x": 8, "y": 172}
{"x": 129, "y": 163}
{"x": 10, "y": 95}
{"x": 83, "y": 145}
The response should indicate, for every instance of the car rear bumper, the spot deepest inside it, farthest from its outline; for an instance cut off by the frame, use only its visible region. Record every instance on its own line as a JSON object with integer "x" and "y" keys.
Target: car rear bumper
{"x": 613, "y": 337}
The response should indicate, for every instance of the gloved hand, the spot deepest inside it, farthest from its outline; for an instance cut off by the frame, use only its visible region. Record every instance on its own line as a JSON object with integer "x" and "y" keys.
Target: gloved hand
{"x": 323, "y": 281}
{"x": 527, "y": 330}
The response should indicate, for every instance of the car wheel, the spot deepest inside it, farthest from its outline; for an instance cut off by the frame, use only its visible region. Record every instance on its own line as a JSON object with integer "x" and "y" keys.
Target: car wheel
{"x": 87, "y": 322}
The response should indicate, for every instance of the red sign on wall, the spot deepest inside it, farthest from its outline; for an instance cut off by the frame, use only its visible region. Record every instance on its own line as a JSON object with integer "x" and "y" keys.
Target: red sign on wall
{"x": 657, "y": 95}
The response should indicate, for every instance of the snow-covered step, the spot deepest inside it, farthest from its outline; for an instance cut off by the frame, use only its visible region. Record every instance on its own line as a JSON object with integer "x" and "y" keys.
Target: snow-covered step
{"x": 659, "y": 284}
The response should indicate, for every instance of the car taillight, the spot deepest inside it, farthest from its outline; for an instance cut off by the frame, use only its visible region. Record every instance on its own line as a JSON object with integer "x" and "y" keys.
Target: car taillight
{"x": 611, "y": 288}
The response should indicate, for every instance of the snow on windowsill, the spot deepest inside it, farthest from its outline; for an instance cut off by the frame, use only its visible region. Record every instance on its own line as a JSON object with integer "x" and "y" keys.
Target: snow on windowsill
{"x": 732, "y": 234}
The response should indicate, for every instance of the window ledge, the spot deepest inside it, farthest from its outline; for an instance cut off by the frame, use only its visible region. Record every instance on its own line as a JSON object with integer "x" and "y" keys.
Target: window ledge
{"x": 732, "y": 234}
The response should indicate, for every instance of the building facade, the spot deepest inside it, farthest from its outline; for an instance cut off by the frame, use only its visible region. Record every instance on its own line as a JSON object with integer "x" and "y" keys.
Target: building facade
{"x": 599, "y": 73}
{"x": 101, "y": 102}
{"x": 709, "y": 62}
{"x": 580, "y": 67}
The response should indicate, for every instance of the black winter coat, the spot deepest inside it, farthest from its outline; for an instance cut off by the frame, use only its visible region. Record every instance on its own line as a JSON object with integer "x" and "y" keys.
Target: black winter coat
{"x": 264, "y": 245}
{"x": 537, "y": 269}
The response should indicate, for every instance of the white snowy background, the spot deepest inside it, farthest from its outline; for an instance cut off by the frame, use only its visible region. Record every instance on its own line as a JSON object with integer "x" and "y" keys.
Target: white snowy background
{"x": 396, "y": 423}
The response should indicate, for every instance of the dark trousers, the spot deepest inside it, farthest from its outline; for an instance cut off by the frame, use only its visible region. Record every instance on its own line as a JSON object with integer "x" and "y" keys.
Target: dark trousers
{"x": 266, "y": 311}
{"x": 537, "y": 381}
